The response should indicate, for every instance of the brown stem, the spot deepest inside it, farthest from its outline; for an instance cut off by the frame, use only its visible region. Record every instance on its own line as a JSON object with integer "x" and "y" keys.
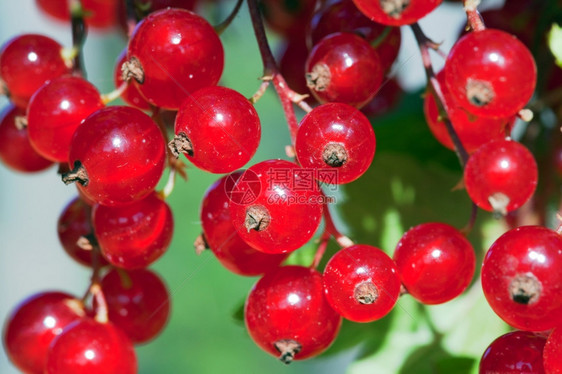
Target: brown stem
{"x": 224, "y": 24}
{"x": 77, "y": 174}
{"x": 269, "y": 64}
{"x": 78, "y": 35}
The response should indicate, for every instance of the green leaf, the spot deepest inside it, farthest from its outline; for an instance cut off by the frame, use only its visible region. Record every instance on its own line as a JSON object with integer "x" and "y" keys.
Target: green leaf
{"x": 555, "y": 42}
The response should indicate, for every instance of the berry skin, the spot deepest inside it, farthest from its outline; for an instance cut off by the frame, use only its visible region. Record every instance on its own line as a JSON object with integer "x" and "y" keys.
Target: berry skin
{"x": 27, "y": 62}
{"x": 344, "y": 68}
{"x": 435, "y": 262}
{"x": 55, "y": 112}
{"x": 179, "y": 53}
{"x": 90, "y": 347}
{"x": 131, "y": 95}
{"x": 16, "y": 151}
{"x": 520, "y": 278}
{"x": 219, "y": 128}
{"x": 501, "y": 176}
{"x": 75, "y": 222}
{"x": 287, "y": 315}
{"x": 285, "y": 213}
{"x": 361, "y": 283}
{"x": 122, "y": 152}
{"x": 99, "y": 13}
{"x": 552, "y": 354}
{"x": 514, "y": 352}
{"x": 396, "y": 12}
{"x": 34, "y": 324}
{"x": 490, "y": 73}
{"x": 135, "y": 235}
{"x": 223, "y": 239}
{"x": 138, "y": 303}
{"x": 339, "y": 137}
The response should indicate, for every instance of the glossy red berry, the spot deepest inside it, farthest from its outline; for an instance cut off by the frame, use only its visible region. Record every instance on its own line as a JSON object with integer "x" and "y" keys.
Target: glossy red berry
{"x": 27, "y": 62}
{"x": 135, "y": 235}
{"x": 514, "y": 352}
{"x": 99, "y": 13}
{"x": 396, "y": 12}
{"x": 473, "y": 131}
{"x": 90, "y": 347}
{"x": 287, "y": 315}
{"x": 138, "y": 303}
{"x": 217, "y": 129}
{"x": 286, "y": 211}
{"x": 34, "y": 324}
{"x": 131, "y": 95}
{"x": 490, "y": 73}
{"x": 552, "y": 353}
{"x": 435, "y": 262}
{"x": 344, "y": 68}
{"x": 520, "y": 278}
{"x": 338, "y": 140}
{"x": 361, "y": 283}
{"x": 292, "y": 62}
{"x": 57, "y": 9}
{"x": 16, "y": 151}
{"x": 501, "y": 176}
{"x": 55, "y": 112}
{"x": 121, "y": 152}
{"x": 223, "y": 239}
{"x": 179, "y": 52}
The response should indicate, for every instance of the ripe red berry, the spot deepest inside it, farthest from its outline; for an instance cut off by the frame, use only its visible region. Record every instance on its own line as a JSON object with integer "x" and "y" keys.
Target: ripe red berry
{"x": 131, "y": 95}
{"x": 287, "y": 315}
{"x": 396, "y": 12}
{"x": 99, "y": 13}
{"x": 16, "y": 151}
{"x": 286, "y": 212}
{"x": 135, "y": 235}
{"x": 90, "y": 347}
{"x": 34, "y": 324}
{"x": 338, "y": 140}
{"x": 27, "y": 62}
{"x": 217, "y": 129}
{"x": 344, "y": 68}
{"x": 361, "y": 283}
{"x": 501, "y": 176}
{"x": 138, "y": 303}
{"x": 552, "y": 353}
{"x": 223, "y": 239}
{"x": 179, "y": 52}
{"x": 520, "y": 278}
{"x": 74, "y": 223}
{"x": 435, "y": 262}
{"x": 490, "y": 73}
{"x": 120, "y": 154}
{"x": 514, "y": 352}
{"x": 55, "y": 112}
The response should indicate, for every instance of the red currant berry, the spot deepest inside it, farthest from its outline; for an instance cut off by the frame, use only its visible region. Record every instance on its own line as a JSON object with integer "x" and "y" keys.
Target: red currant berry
{"x": 119, "y": 154}
{"x": 99, "y": 13}
{"x": 473, "y": 131}
{"x": 138, "y": 303}
{"x": 90, "y": 347}
{"x": 292, "y": 65}
{"x": 217, "y": 129}
{"x": 435, "y": 262}
{"x": 27, "y": 62}
{"x": 386, "y": 99}
{"x": 361, "y": 283}
{"x": 34, "y": 324}
{"x": 396, "y": 12}
{"x": 286, "y": 212}
{"x": 343, "y": 67}
{"x": 490, "y": 73}
{"x": 55, "y": 112}
{"x": 514, "y": 352}
{"x": 178, "y": 53}
{"x": 552, "y": 353}
{"x": 16, "y": 151}
{"x": 57, "y": 9}
{"x": 131, "y": 95}
{"x": 223, "y": 239}
{"x": 520, "y": 278}
{"x": 287, "y": 315}
{"x": 336, "y": 137}
{"x": 135, "y": 235}
{"x": 501, "y": 176}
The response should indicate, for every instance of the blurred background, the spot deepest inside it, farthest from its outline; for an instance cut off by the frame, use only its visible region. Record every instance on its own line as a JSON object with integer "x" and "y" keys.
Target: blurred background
{"x": 409, "y": 182}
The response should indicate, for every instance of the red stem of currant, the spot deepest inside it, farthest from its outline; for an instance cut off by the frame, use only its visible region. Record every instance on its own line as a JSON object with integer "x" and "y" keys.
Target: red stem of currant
{"x": 95, "y": 289}
{"x": 321, "y": 249}
{"x": 78, "y": 35}
{"x": 475, "y": 21}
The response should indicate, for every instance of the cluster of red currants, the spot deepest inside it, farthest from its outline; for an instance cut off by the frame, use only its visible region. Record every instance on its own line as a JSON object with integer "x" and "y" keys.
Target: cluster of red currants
{"x": 254, "y": 218}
